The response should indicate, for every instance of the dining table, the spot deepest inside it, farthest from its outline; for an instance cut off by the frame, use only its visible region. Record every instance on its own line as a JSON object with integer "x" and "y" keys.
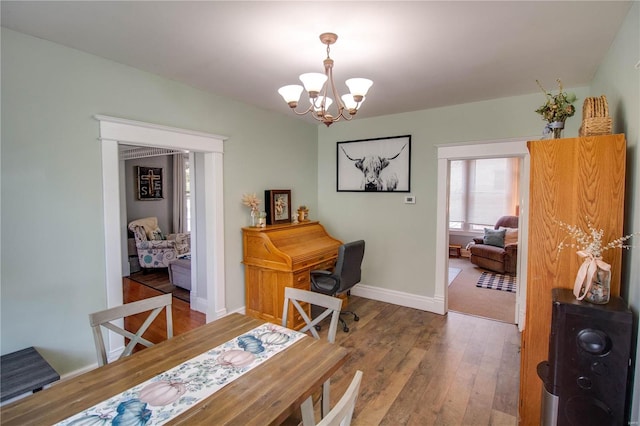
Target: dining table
{"x": 265, "y": 395}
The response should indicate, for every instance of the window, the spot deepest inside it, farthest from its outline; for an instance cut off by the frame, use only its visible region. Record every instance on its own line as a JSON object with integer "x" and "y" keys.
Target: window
{"x": 480, "y": 191}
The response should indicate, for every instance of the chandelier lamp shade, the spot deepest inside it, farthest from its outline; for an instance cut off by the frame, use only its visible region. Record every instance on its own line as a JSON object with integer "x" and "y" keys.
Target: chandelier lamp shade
{"x": 321, "y": 88}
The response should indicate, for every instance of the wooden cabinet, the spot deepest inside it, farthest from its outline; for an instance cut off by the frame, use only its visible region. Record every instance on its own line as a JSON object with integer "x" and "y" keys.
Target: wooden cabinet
{"x": 572, "y": 180}
{"x": 282, "y": 256}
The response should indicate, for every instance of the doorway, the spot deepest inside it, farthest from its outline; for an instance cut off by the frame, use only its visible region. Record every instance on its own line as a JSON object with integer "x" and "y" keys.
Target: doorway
{"x": 475, "y": 150}
{"x": 170, "y": 206}
{"x": 482, "y": 190}
{"x": 207, "y": 229}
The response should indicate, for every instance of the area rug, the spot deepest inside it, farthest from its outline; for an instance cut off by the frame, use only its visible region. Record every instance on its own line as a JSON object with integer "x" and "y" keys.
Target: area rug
{"x": 496, "y": 281}
{"x": 159, "y": 280}
{"x": 453, "y": 273}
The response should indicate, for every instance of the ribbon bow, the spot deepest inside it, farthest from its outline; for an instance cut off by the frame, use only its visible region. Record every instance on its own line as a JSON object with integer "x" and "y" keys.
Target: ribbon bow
{"x": 586, "y": 273}
{"x": 548, "y": 129}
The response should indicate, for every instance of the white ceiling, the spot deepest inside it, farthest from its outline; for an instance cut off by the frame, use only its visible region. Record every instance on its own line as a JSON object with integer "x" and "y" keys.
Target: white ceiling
{"x": 420, "y": 54}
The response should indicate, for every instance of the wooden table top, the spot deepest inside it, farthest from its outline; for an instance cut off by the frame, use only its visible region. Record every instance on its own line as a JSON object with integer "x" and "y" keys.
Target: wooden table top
{"x": 266, "y": 395}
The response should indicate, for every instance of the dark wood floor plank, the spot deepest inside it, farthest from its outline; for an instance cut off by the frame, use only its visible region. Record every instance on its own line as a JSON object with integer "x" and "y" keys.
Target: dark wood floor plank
{"x": 506, "y": 399}
{"x": 478, "y": 410}
{"x": 397, "y": 350}
{"x": 375, "y": 407}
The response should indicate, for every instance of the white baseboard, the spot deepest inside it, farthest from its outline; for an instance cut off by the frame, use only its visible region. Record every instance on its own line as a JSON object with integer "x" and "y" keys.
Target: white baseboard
{"x": 78, "y": 372}
{"x": 241, "y": 310}
{"x": 199, "y": 304}
{"x": 408, "y": 300}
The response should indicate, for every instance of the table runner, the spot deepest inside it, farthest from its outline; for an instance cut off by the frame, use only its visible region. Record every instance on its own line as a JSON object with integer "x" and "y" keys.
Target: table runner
{"x": 161, "y": 398}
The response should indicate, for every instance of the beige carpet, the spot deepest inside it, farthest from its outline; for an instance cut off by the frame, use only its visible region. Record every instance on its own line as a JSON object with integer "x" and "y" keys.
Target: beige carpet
{"x": 466, "y": 298}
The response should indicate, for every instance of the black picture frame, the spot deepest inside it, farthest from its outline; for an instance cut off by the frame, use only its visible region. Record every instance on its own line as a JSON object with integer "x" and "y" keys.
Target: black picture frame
{"x": 374, "y": 165}
{"x": 150, "y": 182}
{"x": 278, "y": 206}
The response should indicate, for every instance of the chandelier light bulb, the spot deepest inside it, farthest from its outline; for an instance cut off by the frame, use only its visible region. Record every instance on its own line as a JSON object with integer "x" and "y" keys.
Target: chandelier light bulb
{"x": 319, "y": 86}
{"x": 291, "y": 94}
{"x": 317, "y": 103}
{"x": 351, "y": 104}
{"x": 358, "y": 87}
{"x": 313, "y": 82}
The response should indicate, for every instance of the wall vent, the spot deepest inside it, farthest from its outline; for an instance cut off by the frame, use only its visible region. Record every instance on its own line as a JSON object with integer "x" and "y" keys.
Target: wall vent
{"x": 132, "y": 152}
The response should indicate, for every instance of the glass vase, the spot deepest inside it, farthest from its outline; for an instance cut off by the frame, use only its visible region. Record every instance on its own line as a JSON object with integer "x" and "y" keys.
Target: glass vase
{"x": 599, "y": 291}
{"x": 556, "y": 129}
{"x": 262, "y": 220}
{"x": 253, "y": 218}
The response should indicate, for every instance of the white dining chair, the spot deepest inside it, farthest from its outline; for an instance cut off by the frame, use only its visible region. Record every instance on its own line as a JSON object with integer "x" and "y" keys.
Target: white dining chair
{"x": 103, "y": 319}
{"x": 330, "y": 303}
{"x": 332, "y": 307}
{"x": 341, "y": 413}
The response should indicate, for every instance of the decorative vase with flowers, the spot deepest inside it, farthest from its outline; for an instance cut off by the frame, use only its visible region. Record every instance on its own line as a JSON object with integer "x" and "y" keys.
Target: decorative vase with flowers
{"x": 556, "y": 110}
{"x": 251, "y": 201}
{"x": 594, "y": 275}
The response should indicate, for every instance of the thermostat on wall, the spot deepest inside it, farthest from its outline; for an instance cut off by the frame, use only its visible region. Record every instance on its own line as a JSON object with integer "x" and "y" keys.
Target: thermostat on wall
{"x": 409, "y": 199}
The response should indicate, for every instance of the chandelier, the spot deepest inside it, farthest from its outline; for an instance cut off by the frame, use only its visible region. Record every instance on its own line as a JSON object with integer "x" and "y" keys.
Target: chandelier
{"x": 314, "y": 83}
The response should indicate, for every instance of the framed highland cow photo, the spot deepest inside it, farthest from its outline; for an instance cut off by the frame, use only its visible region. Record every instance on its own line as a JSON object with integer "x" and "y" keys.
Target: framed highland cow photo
{"x": 374, "y": 165}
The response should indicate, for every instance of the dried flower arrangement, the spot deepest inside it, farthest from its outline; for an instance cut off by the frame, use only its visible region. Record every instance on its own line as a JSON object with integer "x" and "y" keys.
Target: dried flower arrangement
{"x": 590, "y": 242}
{"x": 594, "y": 275}
{"x": 251, "y": 201}
{"x": 557, "y": 107}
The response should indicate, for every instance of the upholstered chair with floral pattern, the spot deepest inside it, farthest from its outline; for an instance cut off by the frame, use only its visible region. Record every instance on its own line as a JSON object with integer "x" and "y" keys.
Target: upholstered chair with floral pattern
{"x": 155, "y": 250}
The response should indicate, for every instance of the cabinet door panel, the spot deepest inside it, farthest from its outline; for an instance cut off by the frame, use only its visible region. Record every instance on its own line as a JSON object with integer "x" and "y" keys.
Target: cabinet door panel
{"x": 572, "y": 180}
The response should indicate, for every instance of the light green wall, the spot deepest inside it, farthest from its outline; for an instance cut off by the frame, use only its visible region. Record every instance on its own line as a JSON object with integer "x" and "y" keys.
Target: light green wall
{"x": 53, "y": 268}
{"x": 620, "y": 82}
{"x": 401, "y": 237}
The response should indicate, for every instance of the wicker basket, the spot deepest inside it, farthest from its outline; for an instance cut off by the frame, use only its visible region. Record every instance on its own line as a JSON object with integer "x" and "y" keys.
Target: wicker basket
{"x": 596, "y": 126}
{"x": 595, "y": 117}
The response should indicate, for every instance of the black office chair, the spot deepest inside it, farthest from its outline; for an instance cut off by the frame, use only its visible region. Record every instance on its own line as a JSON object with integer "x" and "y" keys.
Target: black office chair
{"x": 345, "y": 275}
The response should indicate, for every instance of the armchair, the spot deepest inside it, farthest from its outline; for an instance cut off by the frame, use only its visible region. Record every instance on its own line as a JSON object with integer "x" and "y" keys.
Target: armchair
{"x": 503, "y": 259}
{"x": 153, "y": 250}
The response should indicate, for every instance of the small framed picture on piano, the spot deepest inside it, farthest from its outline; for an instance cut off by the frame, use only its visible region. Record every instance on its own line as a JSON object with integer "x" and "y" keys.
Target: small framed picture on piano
{"x": 278, "y": 205}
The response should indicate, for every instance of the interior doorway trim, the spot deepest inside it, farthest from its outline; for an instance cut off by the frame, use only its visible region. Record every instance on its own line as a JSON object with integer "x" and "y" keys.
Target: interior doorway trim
{"x": 115, "y": 131}
{"x": 475, "y": 150}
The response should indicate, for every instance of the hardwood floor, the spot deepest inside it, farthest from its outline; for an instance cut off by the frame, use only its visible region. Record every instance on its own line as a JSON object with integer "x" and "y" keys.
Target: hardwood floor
{"x": 184, "y": 319}
{"x": 419, "y": 368}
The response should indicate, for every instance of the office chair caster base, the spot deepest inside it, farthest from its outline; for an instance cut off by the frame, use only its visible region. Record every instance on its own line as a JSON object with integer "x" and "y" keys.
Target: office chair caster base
{"x": 356, "y": 318}
{"x": 345, "y": 328}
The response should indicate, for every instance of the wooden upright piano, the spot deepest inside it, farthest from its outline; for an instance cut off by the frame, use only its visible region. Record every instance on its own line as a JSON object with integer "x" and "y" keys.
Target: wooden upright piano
{"x": 280, "y": 256}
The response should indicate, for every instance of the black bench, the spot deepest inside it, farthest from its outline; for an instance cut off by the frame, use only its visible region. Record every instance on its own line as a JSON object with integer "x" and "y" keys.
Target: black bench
{"x": 24, "y": 371}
